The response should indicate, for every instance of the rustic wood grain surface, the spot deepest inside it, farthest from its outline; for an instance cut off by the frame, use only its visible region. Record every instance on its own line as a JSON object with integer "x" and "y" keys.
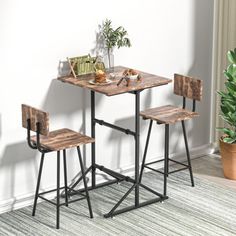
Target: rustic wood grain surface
{"x": 147, "y": 81}
{"x": 35, "y": 115}
{"x": 63, "y": 139}
{"x": 168, "y": 114}
{"x": 188, "y": 87}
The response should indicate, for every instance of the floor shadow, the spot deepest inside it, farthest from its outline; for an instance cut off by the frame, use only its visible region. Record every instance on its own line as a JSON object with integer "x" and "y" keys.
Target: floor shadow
{"x": 14, "y": 155}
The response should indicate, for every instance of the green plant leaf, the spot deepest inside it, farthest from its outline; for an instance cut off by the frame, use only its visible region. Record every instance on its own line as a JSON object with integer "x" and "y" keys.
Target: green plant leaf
{"x": 231, "y": 133}
{"x": 226, "y": 119}
{"x": 231, "y": 69}
{"x": 231, "y": 85}
{"x": 231, "y": 56}
{"x": 114, "y": 37}
{"x": 229, "y": 140}
{"x": 228, "y": 75}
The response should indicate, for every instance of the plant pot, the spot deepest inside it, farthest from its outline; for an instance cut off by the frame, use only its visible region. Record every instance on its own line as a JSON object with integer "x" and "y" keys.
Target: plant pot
{"x": 228, "y": 157}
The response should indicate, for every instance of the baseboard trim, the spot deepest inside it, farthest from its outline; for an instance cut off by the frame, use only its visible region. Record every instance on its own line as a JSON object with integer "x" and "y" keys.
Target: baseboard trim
{"x": 27, "y": 200}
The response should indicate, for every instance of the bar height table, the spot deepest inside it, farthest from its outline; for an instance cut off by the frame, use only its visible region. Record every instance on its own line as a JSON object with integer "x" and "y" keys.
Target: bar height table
{"x": 135, "y": 87}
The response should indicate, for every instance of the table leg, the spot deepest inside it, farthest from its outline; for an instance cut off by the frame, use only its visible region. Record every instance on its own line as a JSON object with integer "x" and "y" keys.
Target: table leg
{"x": 137, "y": 135}
{"x": 93, "y": 123}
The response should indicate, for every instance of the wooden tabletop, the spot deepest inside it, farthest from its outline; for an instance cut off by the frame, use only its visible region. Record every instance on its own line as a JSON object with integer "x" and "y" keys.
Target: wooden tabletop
{"x": 147, "y": 81}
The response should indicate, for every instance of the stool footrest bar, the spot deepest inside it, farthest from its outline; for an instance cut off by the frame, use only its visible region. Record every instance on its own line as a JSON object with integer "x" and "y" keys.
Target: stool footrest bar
{"x": 185, "y": 168}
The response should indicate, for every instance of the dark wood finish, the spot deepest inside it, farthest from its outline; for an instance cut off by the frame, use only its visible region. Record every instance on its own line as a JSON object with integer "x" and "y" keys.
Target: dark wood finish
{"x": 168, "y": 114}
{"x": 188, "y": 87}
{"x": 147, "y": 81}
{"x": 35, "y": 115}
{"x": 62, "y": 139}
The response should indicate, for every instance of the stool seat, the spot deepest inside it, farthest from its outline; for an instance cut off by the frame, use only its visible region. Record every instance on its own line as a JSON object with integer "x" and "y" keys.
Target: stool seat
{"x": 62, "y": 139}
{"x": 168, "y": 114}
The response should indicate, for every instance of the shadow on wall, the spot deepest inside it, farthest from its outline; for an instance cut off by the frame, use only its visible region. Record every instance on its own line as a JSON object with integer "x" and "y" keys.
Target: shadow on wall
{"x": 202, "y": 64}
{"x": 99, "y": 48}
{"x": 0, "y": 126}
{"x": 201, "y": 68}
{"x": 14, "y": 155}
{"x": 63, "y": 99}
{"x": 118, "y": 139}
{"x": 67, "y": 100}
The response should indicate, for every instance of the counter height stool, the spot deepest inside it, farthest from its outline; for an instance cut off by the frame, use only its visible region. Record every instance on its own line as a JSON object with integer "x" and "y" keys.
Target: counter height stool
{"x": 58, "y": 140}
{"x": 184, "y": 86}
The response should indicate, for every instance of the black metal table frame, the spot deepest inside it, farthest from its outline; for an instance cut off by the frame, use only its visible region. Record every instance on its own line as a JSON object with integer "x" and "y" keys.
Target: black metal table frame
{"x": 119, "y": 177}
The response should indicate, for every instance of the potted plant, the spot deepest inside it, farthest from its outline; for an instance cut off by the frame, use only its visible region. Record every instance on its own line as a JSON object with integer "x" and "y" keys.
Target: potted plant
{"x": 114, "y": 37}
{"x": 228, "y": 114}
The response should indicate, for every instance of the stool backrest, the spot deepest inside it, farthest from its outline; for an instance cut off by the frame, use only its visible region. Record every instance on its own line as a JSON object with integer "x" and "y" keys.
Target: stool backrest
{"x": 188, "y": 87}
{"x": 35, "y": 116}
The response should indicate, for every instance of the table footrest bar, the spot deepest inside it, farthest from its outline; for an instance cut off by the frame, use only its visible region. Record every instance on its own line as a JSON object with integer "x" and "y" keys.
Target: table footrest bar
{"x": 151, "y": 190}
{"x": 120, "y": 201}
{"x": 114, "y": 174}
{"x": 126, "y": 131}
{"x": 135, "y": 207}
{"x": 107, "y": 183}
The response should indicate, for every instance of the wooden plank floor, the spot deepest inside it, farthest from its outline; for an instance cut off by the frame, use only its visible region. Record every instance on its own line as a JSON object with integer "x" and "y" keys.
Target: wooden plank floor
{"x": 210, "y": 168}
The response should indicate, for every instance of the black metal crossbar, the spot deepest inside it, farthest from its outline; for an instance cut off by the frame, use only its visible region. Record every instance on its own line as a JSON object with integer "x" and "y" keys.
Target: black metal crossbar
{"x": 126, "y": 131}
{"x": 75, "y": 192}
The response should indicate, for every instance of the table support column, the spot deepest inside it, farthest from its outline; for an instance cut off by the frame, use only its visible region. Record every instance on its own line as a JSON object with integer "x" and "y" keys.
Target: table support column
{"x": 93, "y": 123}
{"x": 137, "y": 135}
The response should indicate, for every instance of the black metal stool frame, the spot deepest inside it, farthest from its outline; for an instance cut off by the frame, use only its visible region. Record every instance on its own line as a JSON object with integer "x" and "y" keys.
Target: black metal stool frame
{"x": 40, "y": 195}
{"x": 166, "y": 152}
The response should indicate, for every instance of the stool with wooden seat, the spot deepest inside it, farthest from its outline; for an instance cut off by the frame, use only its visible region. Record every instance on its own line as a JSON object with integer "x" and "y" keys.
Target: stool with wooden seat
{"x": 59, "y": 140}
{"x": 184, "y": 86}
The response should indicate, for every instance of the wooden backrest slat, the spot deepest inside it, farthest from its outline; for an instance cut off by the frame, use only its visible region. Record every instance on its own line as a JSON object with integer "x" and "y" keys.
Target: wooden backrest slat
{"x": 35, "y": 115}
{"x": 188, "y": 87}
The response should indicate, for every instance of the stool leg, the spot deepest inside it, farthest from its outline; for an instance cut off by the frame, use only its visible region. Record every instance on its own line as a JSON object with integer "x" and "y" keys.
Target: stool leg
{"x": 65, "y": 177}
{"x": 58, "y": 191}
{"x": 85, "y": 183}
{"x": 166, "y": 157}
{"x": 38, "y": 184}
{"x": 188, "y": 155}
{"x": 145, "y": 150}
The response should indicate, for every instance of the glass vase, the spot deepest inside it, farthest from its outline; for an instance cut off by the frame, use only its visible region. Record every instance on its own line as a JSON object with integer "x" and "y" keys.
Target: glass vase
{"x": 109, "y": 60}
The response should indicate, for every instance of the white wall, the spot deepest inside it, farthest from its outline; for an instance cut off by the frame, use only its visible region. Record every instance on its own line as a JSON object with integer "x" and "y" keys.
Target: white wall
{"x": 167, "y": 37}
